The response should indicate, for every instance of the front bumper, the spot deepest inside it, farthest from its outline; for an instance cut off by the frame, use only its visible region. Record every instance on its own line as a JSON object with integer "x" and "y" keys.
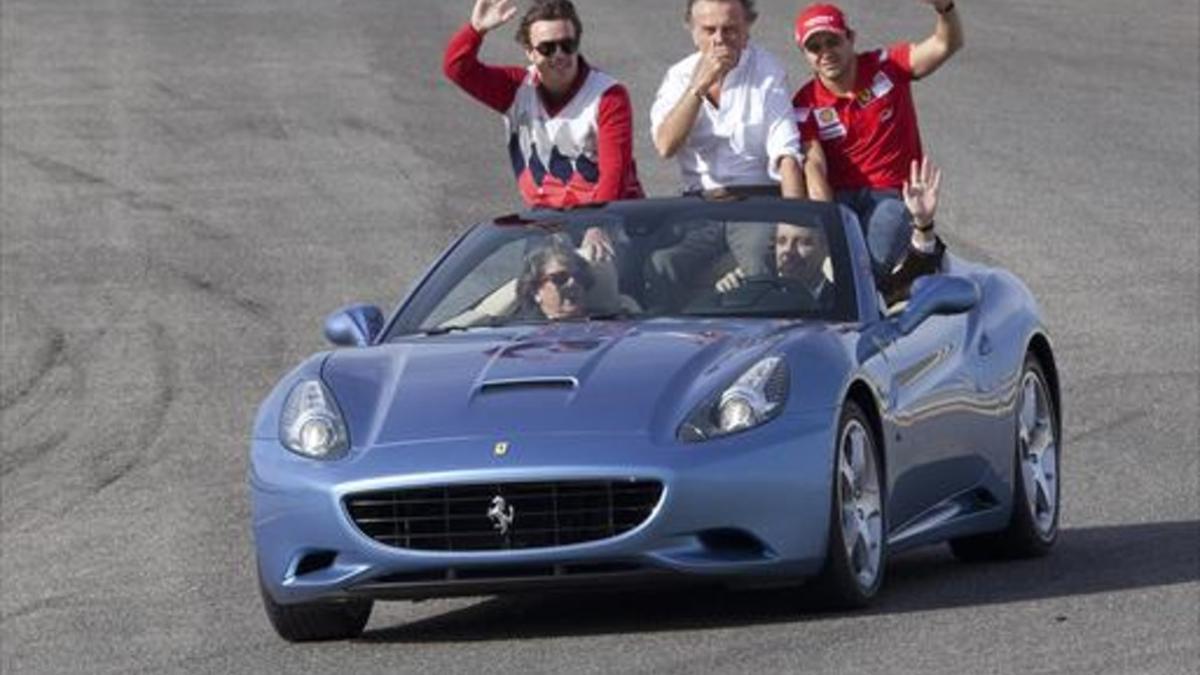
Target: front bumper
{"x": 749, "y": 508}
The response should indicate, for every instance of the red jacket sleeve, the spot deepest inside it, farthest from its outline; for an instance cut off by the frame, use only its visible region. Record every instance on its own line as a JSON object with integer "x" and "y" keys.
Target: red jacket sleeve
{"x": 900, "y": 56}
{"x": 614, "y": 142}
{"x": 494, "y": 86}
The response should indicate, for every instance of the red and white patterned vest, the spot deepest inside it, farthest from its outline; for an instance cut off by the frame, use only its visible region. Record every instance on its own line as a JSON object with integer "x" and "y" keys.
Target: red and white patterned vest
{"x": 555, "y": 158}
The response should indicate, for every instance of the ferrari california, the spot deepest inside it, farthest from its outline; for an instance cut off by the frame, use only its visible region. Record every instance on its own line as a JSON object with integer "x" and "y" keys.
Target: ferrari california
{"x": 668, "y": 390}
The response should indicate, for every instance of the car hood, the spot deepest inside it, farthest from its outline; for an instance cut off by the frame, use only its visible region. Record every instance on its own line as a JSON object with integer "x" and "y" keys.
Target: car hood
{"x": 598, "y": 377}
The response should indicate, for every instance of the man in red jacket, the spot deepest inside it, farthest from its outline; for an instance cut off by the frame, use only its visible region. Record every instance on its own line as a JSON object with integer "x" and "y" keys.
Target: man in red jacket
{"x": 858, "y": 122}
{"x": 570, "y": 126}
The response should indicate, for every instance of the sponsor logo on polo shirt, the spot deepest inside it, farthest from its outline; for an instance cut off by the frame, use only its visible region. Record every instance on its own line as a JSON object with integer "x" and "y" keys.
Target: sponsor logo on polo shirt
{"x": 880, "y": 86}
{"x": 828, "y": 124}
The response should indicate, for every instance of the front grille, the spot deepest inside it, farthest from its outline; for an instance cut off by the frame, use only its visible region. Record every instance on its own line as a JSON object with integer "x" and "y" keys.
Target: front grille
{"x": 456, "y": 517}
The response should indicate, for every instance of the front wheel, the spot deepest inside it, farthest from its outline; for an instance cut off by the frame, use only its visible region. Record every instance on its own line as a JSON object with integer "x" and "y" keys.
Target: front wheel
{"x": 857, "y": 550}
{"x": 1033, "y": 528}
{"x": 310, "y": 621}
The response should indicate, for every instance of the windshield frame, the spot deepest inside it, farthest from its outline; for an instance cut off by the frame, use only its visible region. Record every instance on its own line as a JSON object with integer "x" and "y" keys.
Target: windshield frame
{"x": 640, "y": 218}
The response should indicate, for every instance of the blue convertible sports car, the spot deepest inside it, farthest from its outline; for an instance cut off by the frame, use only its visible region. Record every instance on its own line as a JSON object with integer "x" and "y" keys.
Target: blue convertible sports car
{"x": 725, "y": 398}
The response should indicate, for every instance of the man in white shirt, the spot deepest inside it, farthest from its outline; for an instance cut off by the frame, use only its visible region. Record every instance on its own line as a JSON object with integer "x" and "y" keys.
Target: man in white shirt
{"x": 725, "y": 114}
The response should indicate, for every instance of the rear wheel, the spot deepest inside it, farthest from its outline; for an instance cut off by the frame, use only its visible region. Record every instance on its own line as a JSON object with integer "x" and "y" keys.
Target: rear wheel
{"x": 857, "y": 551}
{"x": 1033, "y": 528}
{"x": 310, "y": 621}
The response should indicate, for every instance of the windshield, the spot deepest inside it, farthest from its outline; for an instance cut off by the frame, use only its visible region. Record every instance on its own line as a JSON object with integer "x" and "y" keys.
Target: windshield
{"x": 603, "y": 265}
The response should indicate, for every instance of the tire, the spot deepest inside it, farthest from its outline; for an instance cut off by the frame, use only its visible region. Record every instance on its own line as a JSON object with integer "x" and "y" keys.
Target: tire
{"x": 1037, "y": 499}
{"x": 312, "y": 621}
{"x": 856, "y": 556}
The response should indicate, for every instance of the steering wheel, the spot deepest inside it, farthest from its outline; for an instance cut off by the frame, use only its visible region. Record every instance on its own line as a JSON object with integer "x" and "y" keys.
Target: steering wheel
{"x": 758, "y": 293}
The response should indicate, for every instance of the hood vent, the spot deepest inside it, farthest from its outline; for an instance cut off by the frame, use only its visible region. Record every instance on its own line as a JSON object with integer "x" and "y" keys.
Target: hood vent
{"x": 497, "y": 386}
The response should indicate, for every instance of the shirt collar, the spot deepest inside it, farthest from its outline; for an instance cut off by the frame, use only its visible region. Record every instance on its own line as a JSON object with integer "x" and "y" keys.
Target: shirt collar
{"x": 554, "y": 105}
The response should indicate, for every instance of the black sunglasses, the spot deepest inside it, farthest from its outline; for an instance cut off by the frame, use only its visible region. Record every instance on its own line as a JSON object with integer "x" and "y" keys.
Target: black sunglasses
{"x": 560, "y": 278}
{"x": 547, "y": 48}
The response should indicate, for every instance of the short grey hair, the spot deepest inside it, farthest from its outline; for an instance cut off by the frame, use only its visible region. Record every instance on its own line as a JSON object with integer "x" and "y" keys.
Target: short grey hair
{"x": 747, "y": 5}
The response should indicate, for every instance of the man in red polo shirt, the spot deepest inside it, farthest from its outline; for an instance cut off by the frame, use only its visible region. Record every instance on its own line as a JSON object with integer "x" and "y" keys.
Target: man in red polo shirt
{"x": 858, "y": 122}
{"x": 570, "y": 126}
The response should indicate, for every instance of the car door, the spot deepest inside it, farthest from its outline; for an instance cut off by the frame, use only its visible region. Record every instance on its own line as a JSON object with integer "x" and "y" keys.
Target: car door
{"x": 933, "y": 405}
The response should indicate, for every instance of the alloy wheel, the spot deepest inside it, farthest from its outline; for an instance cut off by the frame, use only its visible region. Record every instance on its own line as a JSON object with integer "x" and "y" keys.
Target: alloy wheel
{"x": 861, "y": 504}
{"x": 1038, "y": 454}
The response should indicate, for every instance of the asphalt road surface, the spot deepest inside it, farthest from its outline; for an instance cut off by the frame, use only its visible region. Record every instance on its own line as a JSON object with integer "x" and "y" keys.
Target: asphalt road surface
{"x": 189, "y": 186}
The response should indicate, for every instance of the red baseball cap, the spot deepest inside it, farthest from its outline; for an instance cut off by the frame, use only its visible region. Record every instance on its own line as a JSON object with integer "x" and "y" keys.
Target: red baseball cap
{"x": 820, "y": 18}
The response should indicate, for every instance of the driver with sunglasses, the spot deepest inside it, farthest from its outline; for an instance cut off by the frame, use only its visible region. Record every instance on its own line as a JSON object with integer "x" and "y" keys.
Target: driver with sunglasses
{"x": 570, "y": 125}
{"x": 554, "y": 283}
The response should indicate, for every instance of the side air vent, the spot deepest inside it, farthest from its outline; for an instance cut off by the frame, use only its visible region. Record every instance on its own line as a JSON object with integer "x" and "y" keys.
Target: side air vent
{"x": 732, "y": 542}
{"x": 314, "y": 562}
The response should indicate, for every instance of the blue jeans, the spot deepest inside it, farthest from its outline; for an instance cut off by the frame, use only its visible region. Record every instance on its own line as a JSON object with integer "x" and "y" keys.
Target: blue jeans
{"x": 887, "y": 227}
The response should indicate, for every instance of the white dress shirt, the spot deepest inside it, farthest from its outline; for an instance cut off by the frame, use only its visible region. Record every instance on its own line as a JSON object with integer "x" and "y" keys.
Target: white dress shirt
{"x": 741, "y": 141}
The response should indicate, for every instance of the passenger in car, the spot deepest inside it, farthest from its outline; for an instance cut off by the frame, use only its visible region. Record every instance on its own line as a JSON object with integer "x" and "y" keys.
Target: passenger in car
{"x": 570, "y": 125}
{"x": 858, "y": 120}
{"x": 858, "y": 123}
{"x": 723, "y": 114}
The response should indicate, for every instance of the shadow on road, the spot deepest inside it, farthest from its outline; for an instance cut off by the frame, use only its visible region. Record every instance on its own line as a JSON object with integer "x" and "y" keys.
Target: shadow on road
{"x": 1085, "y": 560}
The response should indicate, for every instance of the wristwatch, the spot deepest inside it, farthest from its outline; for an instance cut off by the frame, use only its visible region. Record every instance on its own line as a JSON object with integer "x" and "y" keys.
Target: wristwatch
{"x": 945, "y": 10}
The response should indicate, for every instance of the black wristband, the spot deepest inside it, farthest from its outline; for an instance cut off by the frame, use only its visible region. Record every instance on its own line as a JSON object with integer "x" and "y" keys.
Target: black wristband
{"x": 947, "y": 9}
{"x": 923, "y": 229}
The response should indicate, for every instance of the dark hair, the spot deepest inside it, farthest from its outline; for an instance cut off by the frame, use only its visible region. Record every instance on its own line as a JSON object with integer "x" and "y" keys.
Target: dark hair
{"x": 531, "y": 272}
{"x": 747, "y": 5}
{"x": 547, "y": 10}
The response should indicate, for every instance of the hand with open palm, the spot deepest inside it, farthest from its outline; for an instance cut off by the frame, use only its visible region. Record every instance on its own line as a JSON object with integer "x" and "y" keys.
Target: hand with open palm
{"x": 489, "y": 14}
{"x": 920, "y": 192}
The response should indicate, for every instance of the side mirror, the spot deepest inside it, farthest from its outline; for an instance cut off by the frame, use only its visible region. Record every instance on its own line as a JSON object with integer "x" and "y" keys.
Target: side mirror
{"x": 354, "y": 326}
{"x": 937, "y": 294}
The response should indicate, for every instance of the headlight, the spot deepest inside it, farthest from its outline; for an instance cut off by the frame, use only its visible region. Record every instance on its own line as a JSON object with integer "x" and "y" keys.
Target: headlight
{"x": 754, "y": 398}
{"x": 311, "y": 424}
